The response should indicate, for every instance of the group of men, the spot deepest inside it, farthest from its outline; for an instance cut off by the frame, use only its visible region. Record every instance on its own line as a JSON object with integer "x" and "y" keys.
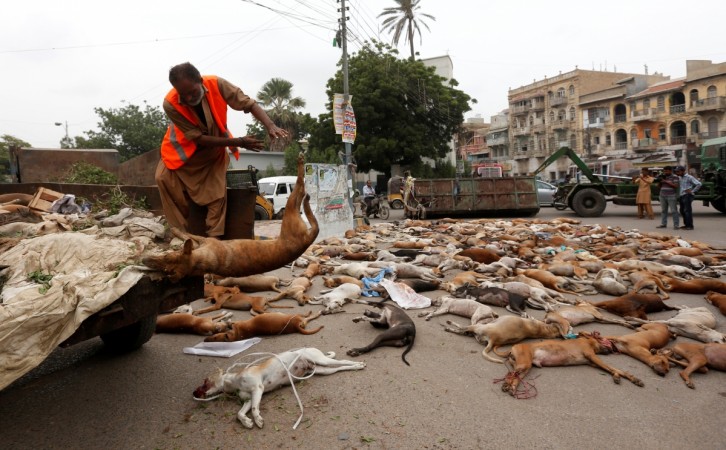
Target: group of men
{"x": 679, "y": 187}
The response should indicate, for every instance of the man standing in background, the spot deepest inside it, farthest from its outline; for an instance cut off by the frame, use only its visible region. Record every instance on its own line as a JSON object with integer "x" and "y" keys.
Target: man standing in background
{"x": 688, "y": 186}
{"x": 668, "y": 196}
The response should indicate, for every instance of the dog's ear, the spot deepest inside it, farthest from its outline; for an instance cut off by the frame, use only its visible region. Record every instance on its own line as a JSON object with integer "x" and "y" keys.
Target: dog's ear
{"x": 187, "y": 247}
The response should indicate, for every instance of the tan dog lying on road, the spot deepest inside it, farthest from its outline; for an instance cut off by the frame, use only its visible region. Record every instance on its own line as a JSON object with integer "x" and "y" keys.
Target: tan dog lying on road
{"x": 188, "y": 323}
{"x": 296, "y": 291}
{"x": 509, "y": 330}
{"x": 695, "y": 323}
{"x": 585, "y": 312}
{"x": 241, "y": 257}
{"x": 554, "y": 353}
{"x": 700, "y": 358}
{"x": 634, "y": 305}
{"x": 717, "y": 300}
{"x": 267, "y": 324}
{"x": 251, "y": 283}
{"x": 251, "y": 381}
{"x": 238, "y": 301}
{"x": 639, "y": 345}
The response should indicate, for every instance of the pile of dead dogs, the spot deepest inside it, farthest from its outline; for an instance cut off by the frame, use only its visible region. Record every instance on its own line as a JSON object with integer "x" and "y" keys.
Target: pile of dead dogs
{"x": 491, "y": 267}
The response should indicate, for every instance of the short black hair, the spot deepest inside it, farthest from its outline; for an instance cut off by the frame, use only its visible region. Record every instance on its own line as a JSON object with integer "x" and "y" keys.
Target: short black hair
{"x": 667, "y": 168}
{"x": 184, "y": 71}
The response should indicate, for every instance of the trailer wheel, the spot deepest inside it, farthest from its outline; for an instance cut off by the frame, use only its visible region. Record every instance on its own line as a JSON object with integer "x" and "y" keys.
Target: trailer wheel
{"x": 397, "y": 204}
{"x": 131, "y": 336}
{"x": 589, "y": 203}
{"x": 260, "y": 213}
{"x": 720, "y": 204}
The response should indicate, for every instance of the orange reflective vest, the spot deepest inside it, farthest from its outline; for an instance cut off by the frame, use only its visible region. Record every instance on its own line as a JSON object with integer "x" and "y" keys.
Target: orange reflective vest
{"x": 177, "y": 149}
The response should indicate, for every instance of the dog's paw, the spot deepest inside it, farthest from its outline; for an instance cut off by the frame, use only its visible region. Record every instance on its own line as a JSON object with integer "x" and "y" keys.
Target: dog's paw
{"x": 258, "y": 420}
{"x": 246, "y": 421}
{"x": 353, "y": 352}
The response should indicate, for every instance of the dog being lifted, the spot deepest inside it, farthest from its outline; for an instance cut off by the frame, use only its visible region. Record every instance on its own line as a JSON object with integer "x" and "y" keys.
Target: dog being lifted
{"x": 401, "y": 329}
{"x": 251, "y": 381}
{"x": 242, "y": 257}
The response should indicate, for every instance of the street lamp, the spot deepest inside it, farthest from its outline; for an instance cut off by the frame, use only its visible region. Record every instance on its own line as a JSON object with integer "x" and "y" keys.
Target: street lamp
{"x": 66, "y": 140}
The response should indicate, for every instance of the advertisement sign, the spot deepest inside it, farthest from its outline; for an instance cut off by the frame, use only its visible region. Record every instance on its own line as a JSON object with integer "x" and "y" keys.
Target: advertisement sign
{"x": 339, "y": 112}
{"x": 349, "y": 128}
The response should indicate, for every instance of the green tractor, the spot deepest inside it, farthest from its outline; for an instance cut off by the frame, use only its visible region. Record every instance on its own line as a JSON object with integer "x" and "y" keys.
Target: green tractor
{"x": 589, "y": 199}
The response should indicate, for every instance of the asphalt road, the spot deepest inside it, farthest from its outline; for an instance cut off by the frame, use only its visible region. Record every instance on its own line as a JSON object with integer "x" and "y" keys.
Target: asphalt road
{"x": 85, "y": 398}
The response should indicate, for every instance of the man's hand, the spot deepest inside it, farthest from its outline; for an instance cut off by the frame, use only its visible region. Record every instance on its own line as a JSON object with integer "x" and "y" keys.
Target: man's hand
{"x": 250, "y": 143}
{"x": 276, "y": 132}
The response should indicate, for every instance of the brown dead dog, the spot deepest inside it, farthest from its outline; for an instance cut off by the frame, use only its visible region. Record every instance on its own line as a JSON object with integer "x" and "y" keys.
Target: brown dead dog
{"x": 555, "y": 353}
{"x": 695, "y": 286}
{"x": 639, "y": 345}
{"x": 645, "y": 282}
{"x": 267, "y": 324}
{"x": 464, "y": 307}
{"x": 400, "y": 331}
{"x": 211, "y": 289}
{"x": 188, "y": 323}
{"x": 717, "y": 300}
{"x": 634, "y": 305}
{"x": 509, "y": 330}
{"x": 337, "y": 280}
{"x": 460, "y": 279}
{"x": 480, "y": 255}
{"x": 700, "y": 357}
{"x": 552, "y": 281}
{"x": 251, "y": 283}
{"x": 296, "y": 290}
{"x": 238, "y": 301}
{"x": 241, "y": 257}
{"x": 585, "y": 312}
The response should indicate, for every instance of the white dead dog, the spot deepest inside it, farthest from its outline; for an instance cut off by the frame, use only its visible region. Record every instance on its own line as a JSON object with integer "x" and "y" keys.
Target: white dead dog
{"x": 464, "y": 307}
{"x": 334, "y": 299}
{"x": 251, "y": 381}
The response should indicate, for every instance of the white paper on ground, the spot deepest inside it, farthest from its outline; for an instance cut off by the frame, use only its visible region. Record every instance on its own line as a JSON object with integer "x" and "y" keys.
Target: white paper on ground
{"x": 404, "y": 295}
{"x": 223, "y": 349}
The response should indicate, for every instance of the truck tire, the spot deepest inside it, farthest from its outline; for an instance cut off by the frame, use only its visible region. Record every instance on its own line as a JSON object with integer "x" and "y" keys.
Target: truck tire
{"x": 260, "y": 213}
{"x": 131, "y": 336}
{"x": 397, "y": 204}
{"x": 720, "y": 204}
{"x": 589, "y": 202}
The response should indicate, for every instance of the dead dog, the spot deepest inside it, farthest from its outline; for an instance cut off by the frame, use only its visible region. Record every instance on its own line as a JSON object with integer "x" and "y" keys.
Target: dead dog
{"x": 241, "y": 257}
{"x": 401, "y": 329}
{"x": 251, "y": 381}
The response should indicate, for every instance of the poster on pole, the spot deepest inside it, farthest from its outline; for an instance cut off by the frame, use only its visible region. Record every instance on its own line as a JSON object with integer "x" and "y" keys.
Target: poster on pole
{"x": 349, "y": 128}
{"x": 339, "y": 111}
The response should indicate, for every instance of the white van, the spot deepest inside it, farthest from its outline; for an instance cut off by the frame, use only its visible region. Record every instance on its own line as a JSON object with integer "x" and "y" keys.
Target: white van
{"x": 277, "y": 190}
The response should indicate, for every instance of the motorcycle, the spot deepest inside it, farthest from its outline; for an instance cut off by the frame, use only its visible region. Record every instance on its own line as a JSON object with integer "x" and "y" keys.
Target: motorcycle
{"x": 378, "y": 208}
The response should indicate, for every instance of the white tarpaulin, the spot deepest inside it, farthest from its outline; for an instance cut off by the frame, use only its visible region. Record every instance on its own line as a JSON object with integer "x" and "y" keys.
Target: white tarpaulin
{"x": 86, "y": 279}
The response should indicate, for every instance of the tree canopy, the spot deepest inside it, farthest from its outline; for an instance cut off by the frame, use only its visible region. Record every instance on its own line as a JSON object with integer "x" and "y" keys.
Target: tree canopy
{"x": 406, "y": 16}
{"x": 130, "y": 130}
{"x": 7, "y": 141}
{"x": 404, "y": 111}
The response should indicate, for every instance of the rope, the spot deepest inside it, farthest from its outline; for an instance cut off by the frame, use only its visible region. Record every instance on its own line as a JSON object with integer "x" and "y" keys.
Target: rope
{"x": 524, "y": 391}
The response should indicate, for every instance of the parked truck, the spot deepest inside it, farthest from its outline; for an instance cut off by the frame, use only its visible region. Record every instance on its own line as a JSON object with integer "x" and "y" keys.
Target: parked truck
{"x": 589, "y": 197}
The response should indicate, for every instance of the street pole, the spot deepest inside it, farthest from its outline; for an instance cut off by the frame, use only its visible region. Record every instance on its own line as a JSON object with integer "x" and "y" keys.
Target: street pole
{"x": 346, "y": 93}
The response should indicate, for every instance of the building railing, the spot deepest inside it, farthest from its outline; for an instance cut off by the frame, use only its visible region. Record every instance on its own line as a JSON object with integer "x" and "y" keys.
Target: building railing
{"x": 678, "y": 140}
{"x": 677, "y": 109}
{"x": 497, "y": 140}
{"x": 712, "y": 134}
{"x": 644, "y": 114}
{"x": 519, "y": 109}
{"x": 619, "y": 118}
{"x": 621, "y": 146}
{"x": 520, "y": 131}
{"x": 643, "y": 143}
{"x": 557, "y": 101}
{"x": 708, "y": 104}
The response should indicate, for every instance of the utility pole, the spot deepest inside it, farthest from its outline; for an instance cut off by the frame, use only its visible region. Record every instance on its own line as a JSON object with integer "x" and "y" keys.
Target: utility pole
{"x": 346, "y": 93}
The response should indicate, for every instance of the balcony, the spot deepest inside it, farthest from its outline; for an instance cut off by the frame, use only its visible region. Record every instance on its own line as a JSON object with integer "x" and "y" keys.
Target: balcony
{"x": 538, "y": 105}
{"x": 621, "y": 146}
{"x": 620, "y": 118}
{"x": 560, "y": 124}
{"x": 678, "y": 109}
{"x": 521, "y": 155}
{"x": 709, "y": 104}
{"x": 557, "y": 101}
{"x": 645, "y": 144}
{"x": 542, "y": 153}
{"x": 499, "y": 140}
{"x": 640, "y": 115}
{"x": 519, "y": 109}
{"x": 595, "y": 122}
{"x": 676, "y": 140}
{"x": 520, "y": 131}
{"x": 712, "y": 134}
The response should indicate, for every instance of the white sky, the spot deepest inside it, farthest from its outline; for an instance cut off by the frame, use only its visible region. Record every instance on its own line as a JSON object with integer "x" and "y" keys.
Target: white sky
{"x": 59, "y": 60}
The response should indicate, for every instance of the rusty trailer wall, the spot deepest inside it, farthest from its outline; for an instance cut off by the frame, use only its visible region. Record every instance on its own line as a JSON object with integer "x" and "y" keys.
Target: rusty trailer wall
{"x": 483, "y": 197}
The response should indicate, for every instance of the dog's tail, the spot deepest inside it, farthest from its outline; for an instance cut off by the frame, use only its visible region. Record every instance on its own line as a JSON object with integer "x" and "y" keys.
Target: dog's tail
{"x": 408, "y": 349}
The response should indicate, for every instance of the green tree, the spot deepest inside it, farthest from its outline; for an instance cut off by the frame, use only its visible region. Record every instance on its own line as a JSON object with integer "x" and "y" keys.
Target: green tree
{"x": 7, "y": 141}
{"x": 404, "y": 111}
{"x": 277, "y": 100}
{"x": 406, "y": 16}
{"x": 130, "y": 130}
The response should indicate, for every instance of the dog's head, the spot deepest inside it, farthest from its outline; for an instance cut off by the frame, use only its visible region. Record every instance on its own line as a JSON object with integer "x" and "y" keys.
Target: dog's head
{"x": 175, "y": 265}
{"x": 212, "y": 385}
{"x": 225, "y": 335}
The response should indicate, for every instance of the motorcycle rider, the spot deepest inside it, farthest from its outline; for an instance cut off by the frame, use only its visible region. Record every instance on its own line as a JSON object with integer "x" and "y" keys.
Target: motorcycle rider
{"x": 368, "y": 195}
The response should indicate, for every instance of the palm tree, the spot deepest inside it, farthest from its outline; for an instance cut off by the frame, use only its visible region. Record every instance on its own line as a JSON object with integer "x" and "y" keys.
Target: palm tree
{"x": 277, "y": 100}
{"x": 405, "y": 16}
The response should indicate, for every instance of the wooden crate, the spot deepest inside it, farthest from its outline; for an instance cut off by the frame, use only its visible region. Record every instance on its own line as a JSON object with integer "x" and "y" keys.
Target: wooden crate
{"x": 43, "y": 199}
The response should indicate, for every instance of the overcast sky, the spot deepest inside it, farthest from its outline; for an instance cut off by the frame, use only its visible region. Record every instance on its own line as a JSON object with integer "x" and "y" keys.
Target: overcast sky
{"x": 59, "y": 60}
